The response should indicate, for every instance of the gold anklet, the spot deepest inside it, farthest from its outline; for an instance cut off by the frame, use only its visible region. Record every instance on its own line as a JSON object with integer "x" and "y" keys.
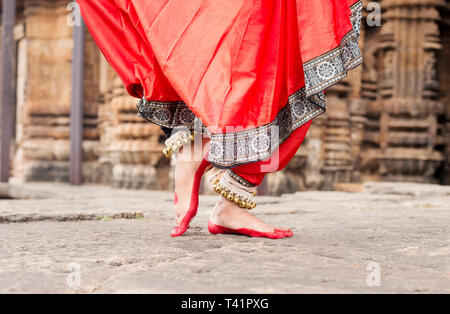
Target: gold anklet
{"x": 236, "y": 192}
{"x": 177, "y": 141}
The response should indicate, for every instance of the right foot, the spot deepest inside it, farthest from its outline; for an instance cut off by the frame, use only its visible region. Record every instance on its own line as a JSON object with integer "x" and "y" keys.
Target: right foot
{"x": 227, "y": 217}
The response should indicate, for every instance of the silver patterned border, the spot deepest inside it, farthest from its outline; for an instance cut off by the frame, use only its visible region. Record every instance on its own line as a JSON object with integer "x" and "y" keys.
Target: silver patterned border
{"x": 228, "y": 150}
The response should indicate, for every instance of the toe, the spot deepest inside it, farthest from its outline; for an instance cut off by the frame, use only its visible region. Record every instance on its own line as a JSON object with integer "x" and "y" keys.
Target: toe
{"x": 283, "y": 233}
{"x": 289, "y": 233}
{"x": 177, "y": 231}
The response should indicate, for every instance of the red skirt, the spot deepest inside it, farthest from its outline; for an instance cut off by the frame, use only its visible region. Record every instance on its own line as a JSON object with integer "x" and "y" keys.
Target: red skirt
{"x": 249, "y": 73}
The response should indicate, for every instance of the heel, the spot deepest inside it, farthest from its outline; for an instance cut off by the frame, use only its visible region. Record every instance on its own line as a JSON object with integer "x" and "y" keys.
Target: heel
{"x": 215, "y": 229}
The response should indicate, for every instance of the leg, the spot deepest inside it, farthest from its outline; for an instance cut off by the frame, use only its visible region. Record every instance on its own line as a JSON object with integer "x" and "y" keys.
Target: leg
{"x": 228, "y": 217}
{"x": 190, "y": 165}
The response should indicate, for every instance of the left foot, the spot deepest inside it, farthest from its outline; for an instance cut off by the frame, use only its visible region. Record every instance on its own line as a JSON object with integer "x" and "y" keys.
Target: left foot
{"x": 188, "y": 174}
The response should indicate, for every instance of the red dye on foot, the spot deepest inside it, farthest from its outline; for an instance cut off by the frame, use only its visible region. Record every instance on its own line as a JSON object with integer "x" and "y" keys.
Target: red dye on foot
{"x": 192, "y": 211}
{"x": 276, "y": 234}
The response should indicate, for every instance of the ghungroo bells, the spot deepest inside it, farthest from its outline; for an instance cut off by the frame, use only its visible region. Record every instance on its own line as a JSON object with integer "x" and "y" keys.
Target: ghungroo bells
{"x": 177, "y": 141}
{"x": 235, "y": 192}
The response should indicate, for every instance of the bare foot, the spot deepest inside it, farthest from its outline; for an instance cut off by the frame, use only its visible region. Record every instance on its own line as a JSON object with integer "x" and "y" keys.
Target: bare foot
{"x": 187, "y": 168}
{"x": 230, "y": 216}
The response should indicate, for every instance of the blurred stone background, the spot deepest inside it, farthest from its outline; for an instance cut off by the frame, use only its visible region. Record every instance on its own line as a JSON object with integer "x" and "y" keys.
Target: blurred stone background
{"x": 388, "y": 121}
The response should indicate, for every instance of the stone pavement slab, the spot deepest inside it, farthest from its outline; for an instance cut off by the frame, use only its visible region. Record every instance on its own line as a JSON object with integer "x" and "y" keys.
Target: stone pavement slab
{"x": 375, "y": 241}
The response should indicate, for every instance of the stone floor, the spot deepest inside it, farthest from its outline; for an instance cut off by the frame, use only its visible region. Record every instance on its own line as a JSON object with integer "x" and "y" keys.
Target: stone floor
{"x": 389, "y": 238}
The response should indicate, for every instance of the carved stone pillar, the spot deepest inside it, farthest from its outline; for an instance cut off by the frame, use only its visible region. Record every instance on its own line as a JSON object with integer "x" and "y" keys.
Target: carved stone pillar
{"x": 44, "y": 96}
{"x": 408, "y": 92}
{"x": 337, "y": 160}
{"x": 370, "y": 111}
{"x": 44, "y": 77}
{"x": 130, "y": 147}
{"x": 357, "y": 107}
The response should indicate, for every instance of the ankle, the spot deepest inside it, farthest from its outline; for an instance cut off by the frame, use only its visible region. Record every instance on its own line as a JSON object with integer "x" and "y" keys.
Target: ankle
{"x": 224, "y": 210}
{"x": 222, "y": 206}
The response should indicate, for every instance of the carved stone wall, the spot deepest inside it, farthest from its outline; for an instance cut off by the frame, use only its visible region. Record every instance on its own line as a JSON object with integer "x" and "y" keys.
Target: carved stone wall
{"x": 388, "y": 120}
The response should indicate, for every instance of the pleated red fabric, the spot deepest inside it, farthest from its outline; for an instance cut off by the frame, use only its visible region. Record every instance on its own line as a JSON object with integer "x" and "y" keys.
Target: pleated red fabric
{"x": 247, "y": 72}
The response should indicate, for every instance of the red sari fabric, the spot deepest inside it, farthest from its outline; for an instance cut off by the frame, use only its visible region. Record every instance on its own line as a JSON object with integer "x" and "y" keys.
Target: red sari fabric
{"x": 255, "y": 172}
{"x": 249, "y": 73}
